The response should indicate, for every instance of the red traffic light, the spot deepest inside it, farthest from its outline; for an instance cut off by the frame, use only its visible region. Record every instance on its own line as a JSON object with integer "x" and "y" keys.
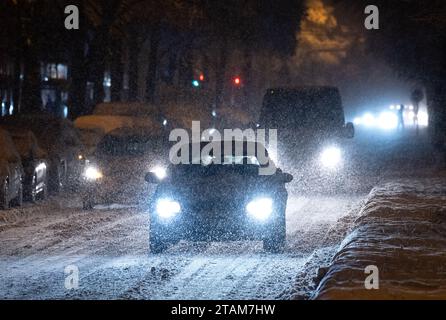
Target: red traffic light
{"x": 201, "y": 77}
{"x": 237, "y": 81}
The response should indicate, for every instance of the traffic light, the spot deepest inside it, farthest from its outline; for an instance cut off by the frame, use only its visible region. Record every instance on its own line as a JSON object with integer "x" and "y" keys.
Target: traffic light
{"x": 237, "y": 81}
{"x": 196, "y": 83}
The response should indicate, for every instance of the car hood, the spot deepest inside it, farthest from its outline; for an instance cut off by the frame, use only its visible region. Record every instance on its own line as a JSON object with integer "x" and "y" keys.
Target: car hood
{"x": 218, "y": 190}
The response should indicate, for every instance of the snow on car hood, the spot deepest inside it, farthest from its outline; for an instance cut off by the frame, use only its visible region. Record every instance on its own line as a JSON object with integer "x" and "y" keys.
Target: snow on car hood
{"x": 222, "y": 188}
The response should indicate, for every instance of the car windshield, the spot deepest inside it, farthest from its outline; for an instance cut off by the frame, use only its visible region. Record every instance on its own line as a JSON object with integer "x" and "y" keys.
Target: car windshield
{"x": 242, "y": 159}
{"x": 133, "y": 145}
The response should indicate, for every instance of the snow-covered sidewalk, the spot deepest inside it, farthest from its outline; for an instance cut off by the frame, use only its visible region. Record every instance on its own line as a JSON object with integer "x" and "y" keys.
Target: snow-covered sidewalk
{"x": 401, "y": 230}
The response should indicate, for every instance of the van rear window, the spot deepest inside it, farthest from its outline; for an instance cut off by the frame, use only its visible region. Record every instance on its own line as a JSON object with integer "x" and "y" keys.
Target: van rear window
{"x": 309, "y": 109}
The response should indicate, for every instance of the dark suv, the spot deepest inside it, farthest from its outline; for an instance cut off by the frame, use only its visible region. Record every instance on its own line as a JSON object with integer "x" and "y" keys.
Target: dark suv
{"x": 227, "y": 199}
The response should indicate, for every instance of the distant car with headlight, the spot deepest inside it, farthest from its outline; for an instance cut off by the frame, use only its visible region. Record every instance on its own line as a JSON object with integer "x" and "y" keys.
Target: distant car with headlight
{"x": 311, "y": 129}
{"x": 226, "y": 200}
{"x": 114, "y": 173}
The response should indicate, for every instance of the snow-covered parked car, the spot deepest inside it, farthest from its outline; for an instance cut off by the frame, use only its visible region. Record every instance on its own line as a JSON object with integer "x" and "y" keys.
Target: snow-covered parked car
{"x": 60, "y": 140}
{"x": 114, "y": 173}
{"x": 224, "y": 200}
{"x": 93, "y": 128}
{"x": 34, "y": 161}
{"x": 125, "y": 109}
{"x": 11, "y": 172}
{"x": 108, "y": 117}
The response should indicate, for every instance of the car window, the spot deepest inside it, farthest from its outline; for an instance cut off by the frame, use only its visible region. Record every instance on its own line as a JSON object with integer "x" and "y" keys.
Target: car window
{"x": 112, "y": 145}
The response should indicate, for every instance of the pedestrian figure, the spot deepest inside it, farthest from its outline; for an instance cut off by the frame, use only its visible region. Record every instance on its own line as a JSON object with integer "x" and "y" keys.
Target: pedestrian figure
{"x": 416, "y": 109}
{"x": 401, "y": 117}
{"x": 417, "y": 96}
{"x": 50, "y": 105}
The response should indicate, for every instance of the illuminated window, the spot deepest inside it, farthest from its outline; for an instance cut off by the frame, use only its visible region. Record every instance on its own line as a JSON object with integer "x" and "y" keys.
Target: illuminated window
{"x": 54, "y": 71}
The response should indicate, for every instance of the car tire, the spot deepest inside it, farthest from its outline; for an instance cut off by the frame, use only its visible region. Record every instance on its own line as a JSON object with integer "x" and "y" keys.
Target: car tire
{"x": 60, "y": 183}
{"x": 44, "y": 192}
{"x": 275, "y": 242}
{"x": 57, "y": 180}
{"x": 4, "y": 199}
{"x": 87, "y": 205}
{"x": 32, "y": 196}
{"x": 18, "y": 201}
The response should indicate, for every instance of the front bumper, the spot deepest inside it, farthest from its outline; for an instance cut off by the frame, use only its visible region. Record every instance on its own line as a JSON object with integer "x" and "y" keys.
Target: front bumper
{"x": 211, "y": 226}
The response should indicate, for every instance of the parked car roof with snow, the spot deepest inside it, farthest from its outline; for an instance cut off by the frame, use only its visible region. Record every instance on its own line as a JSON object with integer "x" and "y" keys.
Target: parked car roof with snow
{"x": 130, "y": 109}
{"x": 7, "y": 147}
{"x": 26, "y": 143}
{"x": 51, "y": 132}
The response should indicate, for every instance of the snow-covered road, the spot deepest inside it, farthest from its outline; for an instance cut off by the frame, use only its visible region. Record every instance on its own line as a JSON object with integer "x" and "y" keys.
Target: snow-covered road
{"x": 109, "y": 247}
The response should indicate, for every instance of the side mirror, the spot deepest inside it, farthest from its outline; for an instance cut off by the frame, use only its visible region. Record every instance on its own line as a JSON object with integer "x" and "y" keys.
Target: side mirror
{"x": 349, "y": 131}
{"x": 287, "y": 178}
{"x": 151, "y": 177}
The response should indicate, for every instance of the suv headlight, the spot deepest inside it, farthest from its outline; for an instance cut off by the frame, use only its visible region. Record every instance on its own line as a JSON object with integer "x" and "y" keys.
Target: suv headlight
{"x": 93, "y": 174}
{"x": 166, "y": 208}
{"x": 260, "y": 208}
{"x": 331, "y": 157}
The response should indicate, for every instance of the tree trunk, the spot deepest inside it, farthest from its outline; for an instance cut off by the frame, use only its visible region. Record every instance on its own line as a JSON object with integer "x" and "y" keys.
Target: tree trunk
{"x": 247, "y": 78}
{"x": 79, "y": 76}
{"x": 31, "y": 94}
{"x": 117, "y": 72}
{"x": 220, "y": 77}
{"x": 17, "y": 85}
{"x": 32, "y": 100}
{"x": 134, "y": 48}
{"x": 98, "y": 64}
{"x": 78, "y": 82}
{"x": 436, "y": 100}
{"x": 155, "y": 38}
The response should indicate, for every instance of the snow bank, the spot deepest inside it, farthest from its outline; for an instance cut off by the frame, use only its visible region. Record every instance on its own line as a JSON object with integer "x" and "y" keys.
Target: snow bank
{"x": 401, "y": 229}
